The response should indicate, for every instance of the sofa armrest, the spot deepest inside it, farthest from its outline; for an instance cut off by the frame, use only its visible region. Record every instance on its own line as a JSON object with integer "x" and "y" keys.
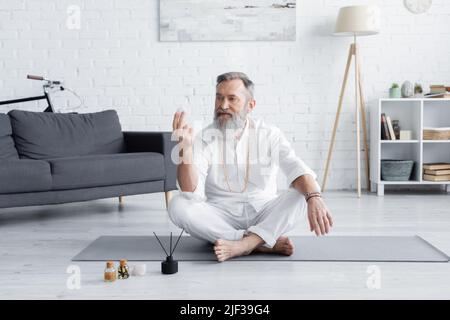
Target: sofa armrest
{"x": 161, "y": 142}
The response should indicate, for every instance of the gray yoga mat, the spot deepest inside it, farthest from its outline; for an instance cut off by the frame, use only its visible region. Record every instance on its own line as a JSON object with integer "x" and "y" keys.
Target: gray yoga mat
{"x": 308, "y": 248}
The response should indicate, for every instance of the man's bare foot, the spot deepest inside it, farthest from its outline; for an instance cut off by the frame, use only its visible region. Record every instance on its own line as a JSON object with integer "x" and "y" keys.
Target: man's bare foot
{"x": 226, "y": 249}
{"x": 283, "y": 246}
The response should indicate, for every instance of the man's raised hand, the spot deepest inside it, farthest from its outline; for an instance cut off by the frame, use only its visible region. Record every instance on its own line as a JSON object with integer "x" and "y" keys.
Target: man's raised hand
{"x": 183, "y": 133}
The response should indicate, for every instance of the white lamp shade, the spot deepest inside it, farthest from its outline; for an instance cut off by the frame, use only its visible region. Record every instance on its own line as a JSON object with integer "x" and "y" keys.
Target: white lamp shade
{"x": 358, "y": 21}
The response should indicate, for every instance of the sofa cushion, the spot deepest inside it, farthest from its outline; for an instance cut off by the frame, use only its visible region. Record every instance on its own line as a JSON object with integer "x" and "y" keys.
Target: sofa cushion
{"x": 7, "y": 149}
{"x": 24, "y": 175}
{"x": 106, "y": 170}
{"x": 45, "y": 135}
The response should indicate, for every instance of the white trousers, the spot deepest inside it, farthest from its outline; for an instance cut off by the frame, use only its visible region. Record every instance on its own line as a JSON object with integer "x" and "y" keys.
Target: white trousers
{"x": 207, "y": 221}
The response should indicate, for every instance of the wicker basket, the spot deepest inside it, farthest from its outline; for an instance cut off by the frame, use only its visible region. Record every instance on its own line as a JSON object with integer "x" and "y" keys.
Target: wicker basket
{"x": 396, "y": 170}
{"x": 435, "y": 134}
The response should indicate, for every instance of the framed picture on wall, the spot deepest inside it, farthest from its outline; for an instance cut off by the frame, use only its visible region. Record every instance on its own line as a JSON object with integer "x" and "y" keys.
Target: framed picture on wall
{"x": 227, "y": 20}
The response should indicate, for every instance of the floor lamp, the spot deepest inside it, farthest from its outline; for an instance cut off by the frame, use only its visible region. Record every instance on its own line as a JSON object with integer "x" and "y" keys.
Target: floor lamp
{"x": 354, "y": 21}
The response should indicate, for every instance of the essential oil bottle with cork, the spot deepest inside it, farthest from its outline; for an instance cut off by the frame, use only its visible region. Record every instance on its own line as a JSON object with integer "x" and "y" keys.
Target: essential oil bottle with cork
{"x": 110, "y": 272}
{"x": 123, "y": 271}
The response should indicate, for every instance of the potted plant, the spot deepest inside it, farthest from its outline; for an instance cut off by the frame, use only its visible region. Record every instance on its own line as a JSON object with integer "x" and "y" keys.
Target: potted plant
{"x": 418, "y": 90}
{"x": 394, "y": 91}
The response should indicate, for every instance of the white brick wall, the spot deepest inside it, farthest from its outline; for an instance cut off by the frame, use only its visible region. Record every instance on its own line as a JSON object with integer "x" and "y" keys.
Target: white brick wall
{"x": 116, "y": 61}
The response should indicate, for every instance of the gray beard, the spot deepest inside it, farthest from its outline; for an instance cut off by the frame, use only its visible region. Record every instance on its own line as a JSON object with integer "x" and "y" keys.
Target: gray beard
{"x": 236, "y": 122}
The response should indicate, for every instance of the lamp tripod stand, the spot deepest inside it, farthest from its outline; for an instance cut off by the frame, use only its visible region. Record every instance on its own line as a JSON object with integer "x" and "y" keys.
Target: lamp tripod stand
{"x": 360, "y": 108}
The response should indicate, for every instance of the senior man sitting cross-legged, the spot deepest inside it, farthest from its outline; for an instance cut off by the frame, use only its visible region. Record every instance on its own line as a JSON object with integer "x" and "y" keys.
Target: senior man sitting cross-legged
{"x": 227, "y": 176}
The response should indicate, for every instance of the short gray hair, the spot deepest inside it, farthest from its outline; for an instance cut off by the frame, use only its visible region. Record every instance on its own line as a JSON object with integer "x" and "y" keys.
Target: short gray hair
{"x": 249, "y": 85}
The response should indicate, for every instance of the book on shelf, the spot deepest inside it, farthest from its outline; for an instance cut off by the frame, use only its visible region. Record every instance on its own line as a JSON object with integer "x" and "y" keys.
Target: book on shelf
{"x": 437, "y": 172}
{"x": 430, "y": 177}
{"x": 391, "y": 129}
{"x": 437, "y": 128}
{"x": 440, "y": 88}
{"x": 437, "y": 166}
{"x": 384, "y": 128}
{"x": 443, "y": 95}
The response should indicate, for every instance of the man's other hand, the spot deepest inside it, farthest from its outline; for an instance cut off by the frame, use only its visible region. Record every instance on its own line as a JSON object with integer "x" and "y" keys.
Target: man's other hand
{"x": 320, "y": 219}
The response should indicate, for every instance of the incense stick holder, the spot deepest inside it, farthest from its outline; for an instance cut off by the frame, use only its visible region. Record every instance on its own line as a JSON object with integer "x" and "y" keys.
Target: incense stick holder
{"x": 169, "y": 266}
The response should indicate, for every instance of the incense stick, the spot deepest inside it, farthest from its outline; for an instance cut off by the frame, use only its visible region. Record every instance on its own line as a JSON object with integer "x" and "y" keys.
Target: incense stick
{"x": 171, "y": 244}
{"x": 160, "y": 243}
{"x": 177, "y": 241}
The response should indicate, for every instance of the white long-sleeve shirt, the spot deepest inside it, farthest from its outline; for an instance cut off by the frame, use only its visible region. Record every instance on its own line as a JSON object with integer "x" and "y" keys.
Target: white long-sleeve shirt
{"x": 269, "y": 151}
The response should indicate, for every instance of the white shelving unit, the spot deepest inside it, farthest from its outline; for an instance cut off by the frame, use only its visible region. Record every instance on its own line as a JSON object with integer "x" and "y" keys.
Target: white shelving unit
{"x": 414, "y": 114}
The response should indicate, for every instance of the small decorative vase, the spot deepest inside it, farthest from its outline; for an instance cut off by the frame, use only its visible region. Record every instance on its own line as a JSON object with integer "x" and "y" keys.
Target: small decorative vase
{"x": 396, "y": 127}
{"x": 395, "y": 93}
{"x": 407, "y": 89}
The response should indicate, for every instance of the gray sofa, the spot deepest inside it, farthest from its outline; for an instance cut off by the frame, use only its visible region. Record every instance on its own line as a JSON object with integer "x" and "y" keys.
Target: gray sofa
{"x": 50, "y": 158}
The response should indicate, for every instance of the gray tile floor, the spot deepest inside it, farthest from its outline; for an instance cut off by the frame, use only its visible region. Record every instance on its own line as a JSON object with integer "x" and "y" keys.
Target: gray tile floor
{"x": 37, "y": 244}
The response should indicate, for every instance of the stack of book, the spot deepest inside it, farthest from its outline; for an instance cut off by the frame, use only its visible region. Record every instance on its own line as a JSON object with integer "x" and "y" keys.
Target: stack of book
{"x": 438, "y": 91}
{"x": 436, "y": 172}
{"x": 387, "y": 130}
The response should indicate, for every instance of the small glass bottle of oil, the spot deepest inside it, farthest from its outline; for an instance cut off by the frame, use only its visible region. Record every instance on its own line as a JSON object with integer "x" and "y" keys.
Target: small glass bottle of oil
{"x": 123, "y": 271}
{"x": 110, "y": 272}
